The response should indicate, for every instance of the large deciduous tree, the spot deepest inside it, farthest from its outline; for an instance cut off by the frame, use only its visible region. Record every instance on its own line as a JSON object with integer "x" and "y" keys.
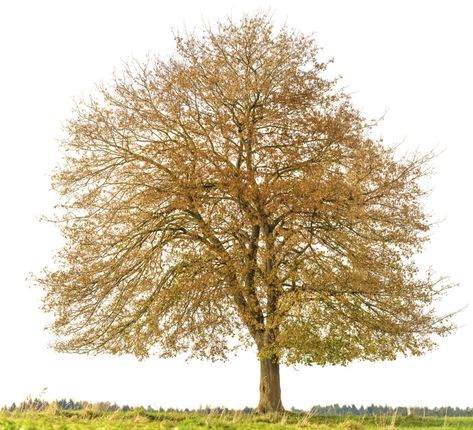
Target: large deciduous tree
{"x": 232, "y": 196}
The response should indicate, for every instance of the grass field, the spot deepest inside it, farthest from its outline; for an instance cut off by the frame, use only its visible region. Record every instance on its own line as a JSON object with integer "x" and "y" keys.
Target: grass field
{"x": 95, "y": 420}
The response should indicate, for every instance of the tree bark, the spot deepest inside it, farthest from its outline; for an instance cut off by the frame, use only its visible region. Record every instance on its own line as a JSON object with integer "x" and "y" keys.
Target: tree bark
{"x": 270, "y": 387}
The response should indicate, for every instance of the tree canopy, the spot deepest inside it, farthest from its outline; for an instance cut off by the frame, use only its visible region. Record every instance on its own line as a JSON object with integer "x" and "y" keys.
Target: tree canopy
{"x": 231, "y": 195}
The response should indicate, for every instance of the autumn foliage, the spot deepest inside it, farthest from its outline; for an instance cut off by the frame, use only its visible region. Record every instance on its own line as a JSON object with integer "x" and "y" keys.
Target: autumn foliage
{"x": 232, "y": 196}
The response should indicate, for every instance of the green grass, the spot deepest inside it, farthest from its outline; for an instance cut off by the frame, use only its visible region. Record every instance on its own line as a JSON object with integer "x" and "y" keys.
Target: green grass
{"x": 96, "y": 420}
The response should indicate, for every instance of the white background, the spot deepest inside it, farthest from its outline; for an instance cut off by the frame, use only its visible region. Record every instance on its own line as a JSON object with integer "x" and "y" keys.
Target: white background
{"x": 410, "y": 59}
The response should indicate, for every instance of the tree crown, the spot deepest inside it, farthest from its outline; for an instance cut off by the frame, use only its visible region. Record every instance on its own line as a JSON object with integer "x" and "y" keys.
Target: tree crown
{"x": 233, "y": 192}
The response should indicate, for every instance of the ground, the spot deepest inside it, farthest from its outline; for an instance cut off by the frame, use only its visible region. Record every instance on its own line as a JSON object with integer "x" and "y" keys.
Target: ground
{"x": 93, "y": 420}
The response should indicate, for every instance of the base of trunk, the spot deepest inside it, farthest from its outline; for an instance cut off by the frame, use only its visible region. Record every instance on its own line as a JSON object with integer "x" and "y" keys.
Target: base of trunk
{"x": 270, "y": 387}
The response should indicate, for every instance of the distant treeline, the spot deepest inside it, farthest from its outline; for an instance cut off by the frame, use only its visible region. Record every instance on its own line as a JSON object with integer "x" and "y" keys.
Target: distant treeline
{"x": 36, "y": 404}
{"x": 388, "y": 410}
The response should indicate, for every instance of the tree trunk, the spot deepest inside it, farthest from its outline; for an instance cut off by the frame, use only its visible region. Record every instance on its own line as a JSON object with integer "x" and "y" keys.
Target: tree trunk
{"x": 270, "y": 387}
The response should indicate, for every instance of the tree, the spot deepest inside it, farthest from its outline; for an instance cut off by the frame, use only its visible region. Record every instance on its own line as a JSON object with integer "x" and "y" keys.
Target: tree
{"x": 232, "y": 196}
